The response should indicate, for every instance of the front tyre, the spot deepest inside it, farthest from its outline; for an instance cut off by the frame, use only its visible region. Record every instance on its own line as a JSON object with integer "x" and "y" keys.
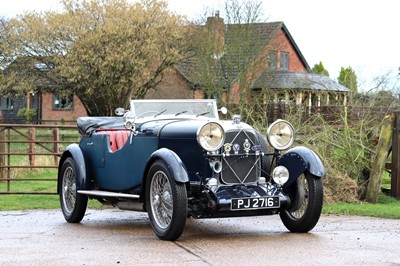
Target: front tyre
{"x": 73, "y": 205}
{"x": 166, "y": 202}
{"x": 307, "y": 199}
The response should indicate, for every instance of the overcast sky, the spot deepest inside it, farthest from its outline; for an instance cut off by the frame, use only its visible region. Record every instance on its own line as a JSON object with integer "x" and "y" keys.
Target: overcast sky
{"x": 340, "y": 33}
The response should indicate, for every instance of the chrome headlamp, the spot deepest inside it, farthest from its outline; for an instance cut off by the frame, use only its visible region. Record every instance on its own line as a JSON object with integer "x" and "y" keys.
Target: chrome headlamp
{"x": 280, "y": 175}
{"x": 280, "y": 134}
{"x": 129, "y": 120}
{"x": 211, "y": 136}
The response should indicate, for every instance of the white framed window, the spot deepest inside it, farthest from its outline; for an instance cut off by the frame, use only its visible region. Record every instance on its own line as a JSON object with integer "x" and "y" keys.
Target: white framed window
{"x": 63, "y": 103}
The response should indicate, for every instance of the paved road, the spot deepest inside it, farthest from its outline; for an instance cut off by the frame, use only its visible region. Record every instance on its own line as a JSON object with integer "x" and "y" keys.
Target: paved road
{"x": 113, "y": 237}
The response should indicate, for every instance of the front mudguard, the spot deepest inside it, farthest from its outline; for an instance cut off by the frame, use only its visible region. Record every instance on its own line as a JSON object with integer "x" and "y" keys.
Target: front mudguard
{"x": 298, "y": 160}
{"x": 74, "y": 151}
{"x": 174, "y": 164}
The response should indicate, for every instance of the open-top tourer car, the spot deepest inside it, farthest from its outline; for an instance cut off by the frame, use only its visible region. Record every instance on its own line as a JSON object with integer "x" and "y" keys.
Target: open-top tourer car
{"x": 176, "y": 159}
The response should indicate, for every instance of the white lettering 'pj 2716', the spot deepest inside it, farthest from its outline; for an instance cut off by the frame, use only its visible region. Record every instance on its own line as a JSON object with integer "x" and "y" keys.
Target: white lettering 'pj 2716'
{"x": 255, "y": 203}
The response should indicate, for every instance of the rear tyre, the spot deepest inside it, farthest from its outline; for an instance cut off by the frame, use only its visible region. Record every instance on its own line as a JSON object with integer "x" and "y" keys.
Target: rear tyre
{"x": 307, "y": 199}
{"x": 166, "y": 202}
{"x": 73, "y": 205}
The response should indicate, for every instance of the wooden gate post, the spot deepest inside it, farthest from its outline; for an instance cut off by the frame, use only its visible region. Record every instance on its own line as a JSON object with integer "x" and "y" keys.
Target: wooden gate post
{"x": 32, "y": 135}
{"x": 382, "y": 150}
{"x": 2, "y": 150}
{"x": 56, "y": 137}
{"x": 395, "y": 181}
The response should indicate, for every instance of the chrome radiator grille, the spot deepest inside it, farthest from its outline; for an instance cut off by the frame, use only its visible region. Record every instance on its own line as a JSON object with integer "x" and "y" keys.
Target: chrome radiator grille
{"x": 240, "y": 165}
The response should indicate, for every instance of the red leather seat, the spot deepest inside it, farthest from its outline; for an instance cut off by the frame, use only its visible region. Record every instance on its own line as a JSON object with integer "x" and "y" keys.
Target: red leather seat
{"x": 121, "y": 137}
{"x": 117, "y": 137}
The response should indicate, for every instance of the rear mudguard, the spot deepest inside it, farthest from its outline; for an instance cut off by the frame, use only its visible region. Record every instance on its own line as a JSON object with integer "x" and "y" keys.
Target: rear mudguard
{"x": 74, "y": 151}
{"x": 298, "y": 160}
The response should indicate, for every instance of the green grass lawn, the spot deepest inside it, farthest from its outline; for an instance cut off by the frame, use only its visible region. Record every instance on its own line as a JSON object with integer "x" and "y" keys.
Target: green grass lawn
{"x": 34, "y": 202}
{"x": 28, "y": 202}
{"x": 387, "y": 207}
{"x": 31, "y": 186}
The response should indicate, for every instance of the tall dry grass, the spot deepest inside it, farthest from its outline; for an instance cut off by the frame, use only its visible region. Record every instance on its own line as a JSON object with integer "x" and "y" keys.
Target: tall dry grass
{"x": 346, "y": 148}
{"x": 346, "y": 145}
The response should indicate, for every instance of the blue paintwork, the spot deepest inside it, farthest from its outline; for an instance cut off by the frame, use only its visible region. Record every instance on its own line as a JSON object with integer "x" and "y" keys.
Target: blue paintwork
{"x": 181, "y": 129}
{"x": 154, "y": 127}
{"x": 126, "y": 168}
{"x": 119, "y": 170}
{"x": 299, "y": 159}
{"x": 181, "y": 137}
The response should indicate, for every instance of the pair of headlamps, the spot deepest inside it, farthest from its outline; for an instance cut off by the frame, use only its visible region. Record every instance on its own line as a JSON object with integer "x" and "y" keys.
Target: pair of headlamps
{"x": 280, "y": 135}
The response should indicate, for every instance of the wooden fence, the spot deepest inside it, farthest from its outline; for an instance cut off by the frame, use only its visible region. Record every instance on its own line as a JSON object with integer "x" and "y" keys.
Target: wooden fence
{"x": 19, "y": 142}
{"x": 332, "y": 114}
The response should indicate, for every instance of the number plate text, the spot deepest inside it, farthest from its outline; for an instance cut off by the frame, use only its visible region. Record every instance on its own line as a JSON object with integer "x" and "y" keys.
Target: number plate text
{"x": 255, "y": 203}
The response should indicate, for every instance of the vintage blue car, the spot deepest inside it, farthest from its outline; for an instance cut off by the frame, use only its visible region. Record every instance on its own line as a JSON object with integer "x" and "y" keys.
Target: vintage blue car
{"x": 176, "y": 159}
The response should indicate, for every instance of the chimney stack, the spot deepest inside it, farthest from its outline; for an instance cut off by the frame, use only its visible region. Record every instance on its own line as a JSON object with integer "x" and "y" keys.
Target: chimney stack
{"x": 215, "y": 27}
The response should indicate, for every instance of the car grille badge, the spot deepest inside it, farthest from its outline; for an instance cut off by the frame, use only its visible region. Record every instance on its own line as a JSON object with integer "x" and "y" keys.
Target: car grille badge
{"x": 236, "y": 148}
{"x": 257, "y": 149}
{"x": 246, "y": 146}
{"x": 227, "y": 148}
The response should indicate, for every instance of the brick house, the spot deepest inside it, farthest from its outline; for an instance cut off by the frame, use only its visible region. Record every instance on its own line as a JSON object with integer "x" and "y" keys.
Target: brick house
{"x": 282, "y": 70}
{"x": 49, "y": 106}
{"x": 54, "y": 107}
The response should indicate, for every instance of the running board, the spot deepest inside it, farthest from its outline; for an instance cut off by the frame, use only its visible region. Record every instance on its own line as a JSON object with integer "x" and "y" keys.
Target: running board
{"x": 108, "y": 194}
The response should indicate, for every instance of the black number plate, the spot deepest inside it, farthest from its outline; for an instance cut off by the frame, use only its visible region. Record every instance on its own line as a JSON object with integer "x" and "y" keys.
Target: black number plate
{"x": 254, "y": 203}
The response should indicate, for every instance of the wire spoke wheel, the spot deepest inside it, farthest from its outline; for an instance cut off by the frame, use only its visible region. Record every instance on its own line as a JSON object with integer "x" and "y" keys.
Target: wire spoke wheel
{"x": 73, "y": 205}
{"x": 161, "y": 199}
{"x": 166, "y": 202}
{"x": 306, "y": 207}
{"x": 68, "y": 192}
